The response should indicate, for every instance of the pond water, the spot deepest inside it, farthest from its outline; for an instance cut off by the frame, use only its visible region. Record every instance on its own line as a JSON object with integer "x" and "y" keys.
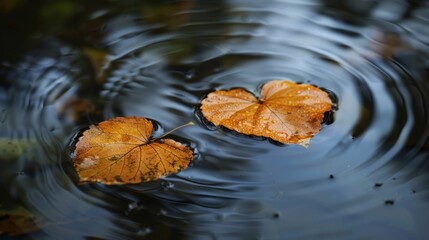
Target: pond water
{"x": 68, "y": 64}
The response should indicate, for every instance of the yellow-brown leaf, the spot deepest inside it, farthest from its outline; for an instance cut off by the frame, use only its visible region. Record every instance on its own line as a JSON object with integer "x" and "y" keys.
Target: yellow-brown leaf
{"x": 286, "y": 112}
{"x": 120, "y": 151}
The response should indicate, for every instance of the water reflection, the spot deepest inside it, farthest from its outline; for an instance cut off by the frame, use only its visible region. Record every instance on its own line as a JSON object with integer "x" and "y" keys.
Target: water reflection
{"x": 158, "y": 60}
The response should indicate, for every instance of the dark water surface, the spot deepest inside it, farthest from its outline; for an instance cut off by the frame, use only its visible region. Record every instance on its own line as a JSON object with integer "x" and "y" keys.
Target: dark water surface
{"x": 68, "y": 64}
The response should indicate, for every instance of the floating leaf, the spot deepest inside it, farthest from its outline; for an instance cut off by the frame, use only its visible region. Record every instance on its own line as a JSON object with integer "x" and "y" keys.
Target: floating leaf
{"x": 120, "y": 151}
{"x": 18, "y": 222}
{"x": 286, "y": 112}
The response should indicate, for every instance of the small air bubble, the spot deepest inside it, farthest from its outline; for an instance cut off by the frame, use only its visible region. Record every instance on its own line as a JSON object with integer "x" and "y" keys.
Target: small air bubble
{"x": 143, "y": 232}
{"x": 190, "y": 74}
{"x": 162, "y": 212}
{"x": 167, "y": 185}
{"x": 134, "y": 206}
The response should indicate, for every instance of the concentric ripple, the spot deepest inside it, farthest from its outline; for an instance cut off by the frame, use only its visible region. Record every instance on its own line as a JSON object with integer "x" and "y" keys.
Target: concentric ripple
{"x": 364, "y": 175}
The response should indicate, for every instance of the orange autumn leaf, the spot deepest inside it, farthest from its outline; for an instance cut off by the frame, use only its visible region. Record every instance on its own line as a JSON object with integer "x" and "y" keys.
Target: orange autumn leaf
{"x": 286, "y": 112}
{"x": 121, "y": 151}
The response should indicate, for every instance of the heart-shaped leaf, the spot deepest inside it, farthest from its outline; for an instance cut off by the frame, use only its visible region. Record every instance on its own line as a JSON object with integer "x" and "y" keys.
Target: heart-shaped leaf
{"x": 286, "y": 111}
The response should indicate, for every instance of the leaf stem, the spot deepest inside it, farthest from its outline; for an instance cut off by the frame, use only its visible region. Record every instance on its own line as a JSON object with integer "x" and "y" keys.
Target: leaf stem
{"x": 174, "y": 129}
